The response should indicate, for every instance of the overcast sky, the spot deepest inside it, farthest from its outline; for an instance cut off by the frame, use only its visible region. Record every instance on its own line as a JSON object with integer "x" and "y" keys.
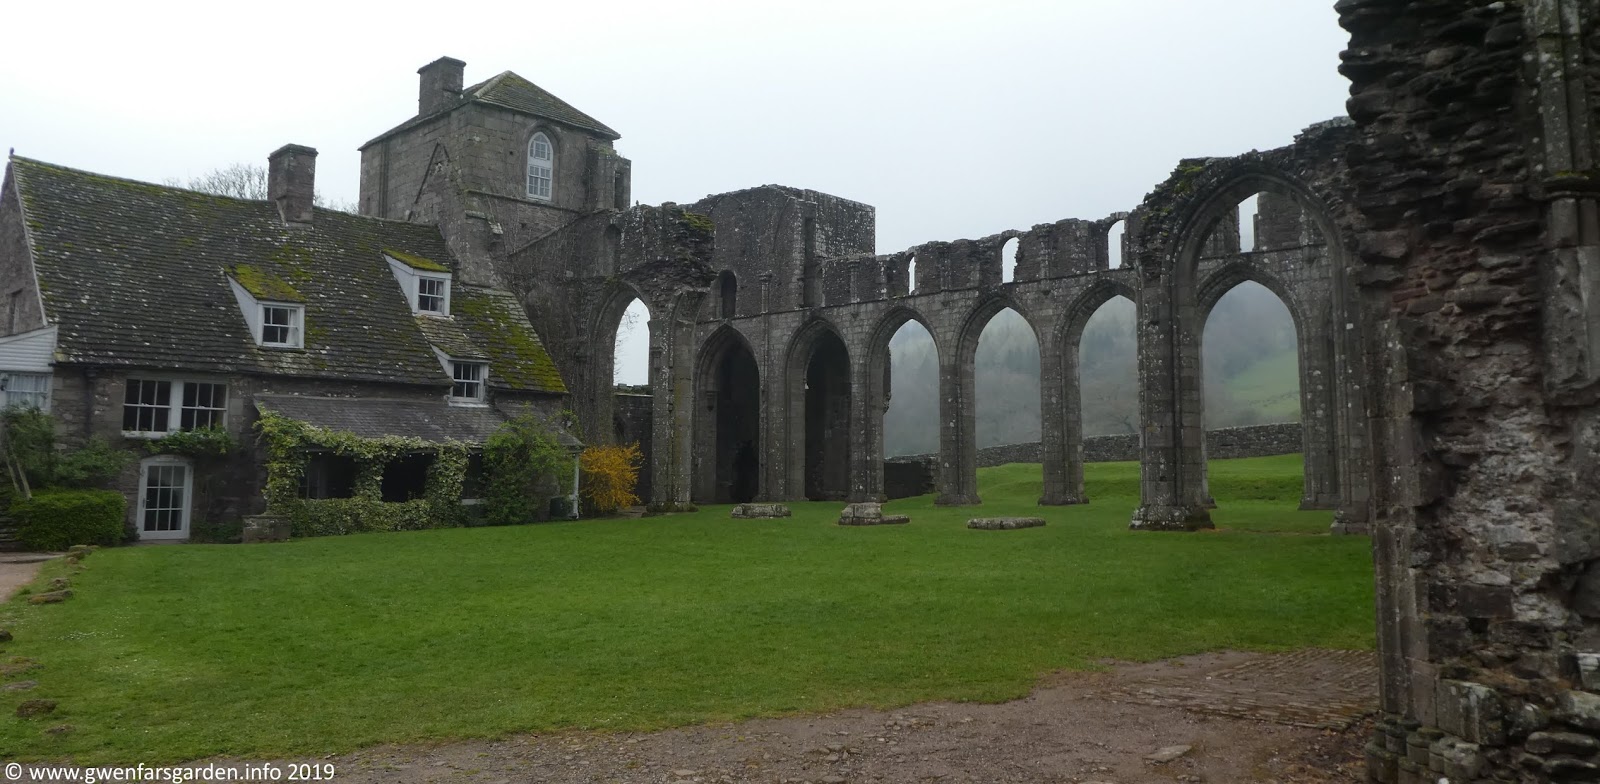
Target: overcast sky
{"x": 954, "y": 119}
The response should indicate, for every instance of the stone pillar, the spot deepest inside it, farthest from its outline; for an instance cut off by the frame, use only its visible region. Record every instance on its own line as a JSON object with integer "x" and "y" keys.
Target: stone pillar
{"x": 866, "y": 443}
{"x": 1060, "y": 425}
{"x": 1172, "y": 441}
{"x": 958, "y": 448}
{"x": 1317, "y": 414}
{"x": 672, "y": 401}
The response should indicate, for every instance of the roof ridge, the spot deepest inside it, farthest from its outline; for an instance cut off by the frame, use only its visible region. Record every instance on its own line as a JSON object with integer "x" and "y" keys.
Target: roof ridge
{"x": 492, "y": 81}
{"x": 132, "y": 181}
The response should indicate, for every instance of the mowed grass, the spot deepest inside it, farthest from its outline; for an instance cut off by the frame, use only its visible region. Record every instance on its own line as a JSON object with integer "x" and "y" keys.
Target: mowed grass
{"x": 325, "y": 645}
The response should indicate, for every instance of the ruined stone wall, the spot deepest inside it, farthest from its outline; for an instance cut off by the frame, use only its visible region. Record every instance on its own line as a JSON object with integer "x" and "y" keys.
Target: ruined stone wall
{"x": 631, "y": 425}
{"x": 774, "y": 239}
{"x": 1284, "y": 438}
{"x": 1476, "y": 175}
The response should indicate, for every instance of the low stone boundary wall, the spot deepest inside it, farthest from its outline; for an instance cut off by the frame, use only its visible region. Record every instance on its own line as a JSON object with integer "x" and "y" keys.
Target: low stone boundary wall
{"x": 916, "y": 474}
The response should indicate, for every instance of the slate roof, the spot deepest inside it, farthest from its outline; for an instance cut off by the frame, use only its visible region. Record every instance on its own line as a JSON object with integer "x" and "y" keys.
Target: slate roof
{"x": 510, "y": 91}
{"x": 137, "y": 275}
{"x": 435, "y": 422}
{"x": 373, "y": 418}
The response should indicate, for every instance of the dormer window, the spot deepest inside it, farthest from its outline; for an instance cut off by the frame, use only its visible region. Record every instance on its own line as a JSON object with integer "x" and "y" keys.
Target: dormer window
{"x": 426, "y": 283}
{"x": 280, "y": 325}
{"x": 265, "y": 302}
{"x": 433, "y": 295}
{"x": 468, "y": 378}
{"x": 541, "y": 167}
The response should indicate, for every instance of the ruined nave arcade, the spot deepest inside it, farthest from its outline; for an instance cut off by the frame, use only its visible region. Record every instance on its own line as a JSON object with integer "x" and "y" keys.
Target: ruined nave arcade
{"x": 771, "y": 317}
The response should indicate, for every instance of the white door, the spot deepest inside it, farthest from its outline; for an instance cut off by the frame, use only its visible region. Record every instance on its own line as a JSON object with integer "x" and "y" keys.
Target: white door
{"x": 164, "y": 499}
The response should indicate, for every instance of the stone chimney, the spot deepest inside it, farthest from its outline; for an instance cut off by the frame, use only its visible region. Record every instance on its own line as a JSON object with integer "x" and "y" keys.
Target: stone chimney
{"x": 440, "y": 84}
{"x": 292, "y": 182}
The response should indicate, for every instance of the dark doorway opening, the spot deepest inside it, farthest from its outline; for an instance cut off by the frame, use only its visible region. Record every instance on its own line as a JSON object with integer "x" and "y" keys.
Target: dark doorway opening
{"x": 828, "y": 420}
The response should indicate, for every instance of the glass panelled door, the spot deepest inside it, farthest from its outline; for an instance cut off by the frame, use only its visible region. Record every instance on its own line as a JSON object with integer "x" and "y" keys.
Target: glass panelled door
{"x": 164, "y": 500}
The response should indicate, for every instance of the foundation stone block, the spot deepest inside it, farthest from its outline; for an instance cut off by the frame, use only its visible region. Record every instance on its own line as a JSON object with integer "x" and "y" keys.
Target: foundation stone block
{"x": 760, "y": 511}
{"x": 1004, "y": 523}
{"x": 869, "y": 513}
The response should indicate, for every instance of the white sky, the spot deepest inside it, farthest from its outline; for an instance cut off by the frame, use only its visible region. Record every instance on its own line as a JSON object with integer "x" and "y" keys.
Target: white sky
{"x": 954, "y": 119}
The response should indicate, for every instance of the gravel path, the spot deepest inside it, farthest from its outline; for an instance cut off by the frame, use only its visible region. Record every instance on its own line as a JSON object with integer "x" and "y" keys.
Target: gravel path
{"x": 1074, "y": 728}
{"x": 19, "y": 569}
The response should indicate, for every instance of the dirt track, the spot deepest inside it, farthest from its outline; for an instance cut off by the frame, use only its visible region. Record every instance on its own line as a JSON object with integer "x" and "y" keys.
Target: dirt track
{"x": 1081, "y": 727}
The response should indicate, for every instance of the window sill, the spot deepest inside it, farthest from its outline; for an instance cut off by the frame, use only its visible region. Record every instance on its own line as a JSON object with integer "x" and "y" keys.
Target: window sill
{"x": 467, "y": 403}
{"x": 147, "y": 435}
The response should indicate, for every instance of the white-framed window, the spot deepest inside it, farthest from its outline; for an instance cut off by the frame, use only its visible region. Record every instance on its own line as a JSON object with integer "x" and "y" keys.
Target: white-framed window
{"x": 281, "y": 325}
{"x": 541, "y": 167}
{"x": 467, "y": 378}
{"x": 433, "y": 295}
{"x": 158, "y": 406}
{"x": 428, "y": 292}
{"x": 25, "y": 390}
{"x": 164, "y": 490}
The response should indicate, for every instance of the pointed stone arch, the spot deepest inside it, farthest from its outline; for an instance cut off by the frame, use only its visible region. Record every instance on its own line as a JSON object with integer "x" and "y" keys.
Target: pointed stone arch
{"x": 958, "y": 440}
{"x": 1175, "y": 228}
{"x": 1061, "y": 428}
{"x": 727, "y": 419}
{"x": 817, "y": 391}
{"x": 877, "y": 389}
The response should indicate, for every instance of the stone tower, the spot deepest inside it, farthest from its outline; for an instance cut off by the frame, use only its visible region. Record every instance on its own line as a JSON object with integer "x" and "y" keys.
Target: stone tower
{"x": 497, "y": 165}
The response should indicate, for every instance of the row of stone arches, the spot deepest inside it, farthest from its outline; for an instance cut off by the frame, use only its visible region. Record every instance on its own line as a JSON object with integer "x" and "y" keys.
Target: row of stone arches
{"x": 787, "y": 404}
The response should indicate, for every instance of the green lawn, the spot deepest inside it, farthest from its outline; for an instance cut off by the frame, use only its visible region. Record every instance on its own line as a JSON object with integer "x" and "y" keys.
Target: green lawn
{"x": 324, "y": 645}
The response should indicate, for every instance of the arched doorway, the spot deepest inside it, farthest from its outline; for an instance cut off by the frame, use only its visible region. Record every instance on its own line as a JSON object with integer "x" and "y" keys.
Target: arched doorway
{"x": 819, "y": 414}
{"x": 727, "y": 421}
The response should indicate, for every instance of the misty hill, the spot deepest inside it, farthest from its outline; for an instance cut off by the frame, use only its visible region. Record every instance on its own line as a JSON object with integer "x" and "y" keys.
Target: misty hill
{"x": 1250, "y": 368}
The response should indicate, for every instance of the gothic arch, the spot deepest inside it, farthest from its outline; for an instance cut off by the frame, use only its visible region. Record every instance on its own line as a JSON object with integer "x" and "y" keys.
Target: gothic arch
{"x": 727, "y": 419}
{"x": 958, "y": 437}
{"x": 879, "y": 386}
{"x": 1061, "y": 409}
{"x": 1172, "y": 319}
{"x": 817, "y": 391}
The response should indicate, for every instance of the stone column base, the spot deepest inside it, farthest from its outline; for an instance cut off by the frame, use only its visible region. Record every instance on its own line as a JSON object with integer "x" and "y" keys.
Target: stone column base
{"x": 1163, "y": 517}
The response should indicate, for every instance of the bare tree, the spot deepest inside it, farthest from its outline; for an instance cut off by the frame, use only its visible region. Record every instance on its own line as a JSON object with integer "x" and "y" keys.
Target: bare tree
{"x": 245, "y": 181}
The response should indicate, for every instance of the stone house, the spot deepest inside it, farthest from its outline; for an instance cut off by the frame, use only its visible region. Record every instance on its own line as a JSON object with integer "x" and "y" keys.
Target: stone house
{"x": 133, "y": 310}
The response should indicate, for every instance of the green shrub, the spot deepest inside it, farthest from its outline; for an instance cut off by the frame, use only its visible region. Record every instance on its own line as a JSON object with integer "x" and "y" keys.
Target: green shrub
{"x": 31, "y": 434}
{"x": 58, "y": 519}
{"x": 523, "y": 465}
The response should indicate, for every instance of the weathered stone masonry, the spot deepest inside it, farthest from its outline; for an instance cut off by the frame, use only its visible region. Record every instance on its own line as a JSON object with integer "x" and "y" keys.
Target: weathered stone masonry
{"x": 1479, "y": 284}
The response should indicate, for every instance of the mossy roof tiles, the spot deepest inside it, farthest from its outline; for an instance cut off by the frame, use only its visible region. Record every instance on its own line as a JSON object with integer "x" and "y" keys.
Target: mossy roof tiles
{"x": 136, "y": 275}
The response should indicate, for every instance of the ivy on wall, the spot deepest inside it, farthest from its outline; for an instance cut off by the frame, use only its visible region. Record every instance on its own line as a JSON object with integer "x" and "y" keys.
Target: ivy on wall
{"x": 289, "y": 444}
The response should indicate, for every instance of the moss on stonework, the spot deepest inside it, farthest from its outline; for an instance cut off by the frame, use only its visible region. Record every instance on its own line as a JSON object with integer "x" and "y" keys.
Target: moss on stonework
{"x": 698, "y": 222}
{"x": 414, "y": 261}
{"x": 264, "y": 285}
{"x": 516, "y": 357}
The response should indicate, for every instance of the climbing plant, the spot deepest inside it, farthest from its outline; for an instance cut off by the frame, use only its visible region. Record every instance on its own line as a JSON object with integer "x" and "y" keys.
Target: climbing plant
{"x": 289, "y": 444}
